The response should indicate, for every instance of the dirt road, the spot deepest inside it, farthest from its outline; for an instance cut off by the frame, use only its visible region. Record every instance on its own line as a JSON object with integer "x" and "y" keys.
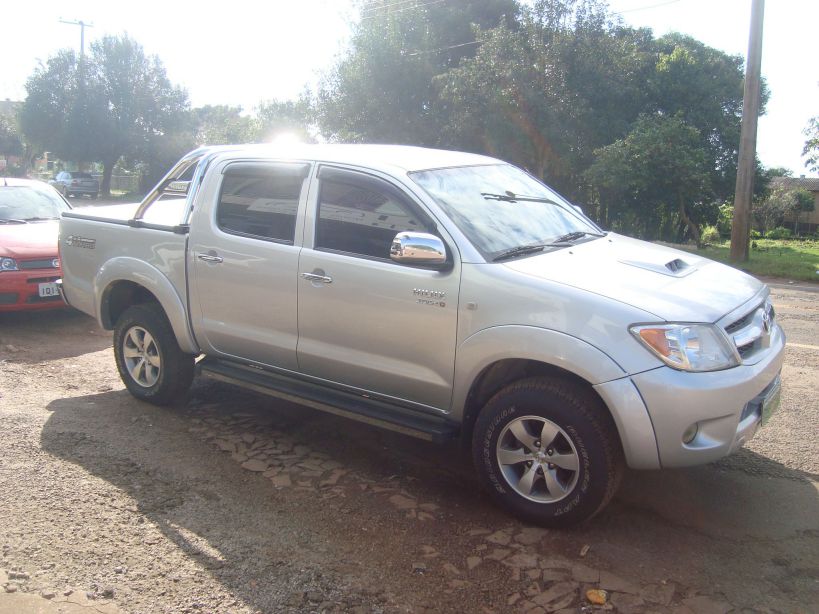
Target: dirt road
{"x": 231, "y": 502}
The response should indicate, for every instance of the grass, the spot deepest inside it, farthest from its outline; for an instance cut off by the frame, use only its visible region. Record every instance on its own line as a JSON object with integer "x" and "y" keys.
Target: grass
{"x": 794, "y": 259}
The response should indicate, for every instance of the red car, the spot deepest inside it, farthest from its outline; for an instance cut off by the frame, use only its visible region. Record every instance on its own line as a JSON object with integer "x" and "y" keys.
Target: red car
{"x": 29, "y": 264}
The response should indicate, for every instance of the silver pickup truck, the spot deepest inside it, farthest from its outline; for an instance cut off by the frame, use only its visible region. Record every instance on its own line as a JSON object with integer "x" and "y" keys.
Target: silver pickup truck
{"x": 439, "y": 294}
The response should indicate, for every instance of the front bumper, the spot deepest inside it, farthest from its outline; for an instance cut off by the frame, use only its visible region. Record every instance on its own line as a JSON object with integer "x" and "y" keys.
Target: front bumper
{"x": 726, "y": 406}
{"x": 20, "y": 290}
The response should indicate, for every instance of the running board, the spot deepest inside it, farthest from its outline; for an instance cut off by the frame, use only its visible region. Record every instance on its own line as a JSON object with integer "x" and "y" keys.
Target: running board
{"x": 341, "y": 403}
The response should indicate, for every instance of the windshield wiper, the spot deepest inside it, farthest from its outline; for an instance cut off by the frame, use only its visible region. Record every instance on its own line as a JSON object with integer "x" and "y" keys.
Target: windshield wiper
{"x": 11, "y": 220}
{"x": 41, "y": 219}
{"x": 520, "y": 250}
{"x": 574, "y": 236}
{"x": 511, "y": 197}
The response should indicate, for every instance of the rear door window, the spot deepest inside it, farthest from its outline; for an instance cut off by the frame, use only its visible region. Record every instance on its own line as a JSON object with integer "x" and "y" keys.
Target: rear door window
{"x": 261, "y": 200}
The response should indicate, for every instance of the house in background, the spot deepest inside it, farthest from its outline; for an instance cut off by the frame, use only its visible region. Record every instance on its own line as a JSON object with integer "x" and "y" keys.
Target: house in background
{"x": 809, "y": 221}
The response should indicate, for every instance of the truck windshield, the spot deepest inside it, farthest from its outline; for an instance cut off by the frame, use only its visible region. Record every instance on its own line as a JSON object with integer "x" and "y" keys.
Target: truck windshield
{"x": 499, "y": 208}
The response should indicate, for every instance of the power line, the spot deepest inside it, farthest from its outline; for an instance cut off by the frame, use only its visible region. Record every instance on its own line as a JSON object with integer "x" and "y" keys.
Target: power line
{"x": 645, "y": 8}
{"x": 401, "y": 10}
{"x": 443, "y": 48}
{"x": 373, "y": 8}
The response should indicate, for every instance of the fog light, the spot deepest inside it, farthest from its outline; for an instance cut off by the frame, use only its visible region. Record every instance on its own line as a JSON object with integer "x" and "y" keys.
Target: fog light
{"x": 690, "y": 433}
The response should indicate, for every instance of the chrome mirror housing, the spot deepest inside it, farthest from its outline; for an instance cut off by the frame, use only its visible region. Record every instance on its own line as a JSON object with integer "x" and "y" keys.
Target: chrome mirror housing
{"x": 418, "y": 248}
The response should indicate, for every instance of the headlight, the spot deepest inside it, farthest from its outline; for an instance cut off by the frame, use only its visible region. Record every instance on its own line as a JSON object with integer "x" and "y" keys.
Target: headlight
{"x": 8, "y": 264}
{"x": 688, "y": 347}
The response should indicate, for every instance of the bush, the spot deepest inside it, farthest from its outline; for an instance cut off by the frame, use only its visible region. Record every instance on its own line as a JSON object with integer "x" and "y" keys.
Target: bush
{"x": 710, "y": 234}
{"x": 755, "y": 234}
{"x": 778, "y": 233}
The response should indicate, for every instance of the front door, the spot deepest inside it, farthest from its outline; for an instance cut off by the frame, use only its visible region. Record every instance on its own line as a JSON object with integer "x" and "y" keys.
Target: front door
{"x": 364, "y": 320}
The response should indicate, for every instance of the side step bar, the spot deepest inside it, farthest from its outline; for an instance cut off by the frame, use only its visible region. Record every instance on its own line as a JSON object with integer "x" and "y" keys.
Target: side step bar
{"x": 341, "y": 403}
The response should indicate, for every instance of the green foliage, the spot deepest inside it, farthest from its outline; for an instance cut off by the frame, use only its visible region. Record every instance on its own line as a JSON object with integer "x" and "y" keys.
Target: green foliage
{"x": 115, "y": 102}
{"x": 779, "y": 233}
{"x": 383, "y": 90}
{"x": 780, "y": 202}
{"x": 221, "y": 125}
{"x": 755, "y": 234}
{"x": 10, "y": 143}
{"x": 275, "y": 119}
{"x": 725, "y": 218}
{"x": 710, "y": 234}
{"x": 657, "y": 172}
{"x": 811, "y": 149}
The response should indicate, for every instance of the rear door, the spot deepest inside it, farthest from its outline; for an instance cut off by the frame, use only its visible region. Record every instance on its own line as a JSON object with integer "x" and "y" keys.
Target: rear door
{"x": 364, "y": 320}
{"x": 243, "y": 255}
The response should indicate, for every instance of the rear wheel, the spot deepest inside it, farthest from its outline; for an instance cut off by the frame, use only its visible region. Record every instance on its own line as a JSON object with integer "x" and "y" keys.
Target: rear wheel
{"x": 149, "y": 360}
{"x": 548, "y": 451}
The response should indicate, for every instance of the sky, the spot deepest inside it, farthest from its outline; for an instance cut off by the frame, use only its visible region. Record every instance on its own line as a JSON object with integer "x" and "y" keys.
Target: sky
{"x": 244, "y": 53}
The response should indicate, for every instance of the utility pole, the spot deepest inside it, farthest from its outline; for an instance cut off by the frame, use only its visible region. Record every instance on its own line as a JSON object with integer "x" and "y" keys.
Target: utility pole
{"x": 746, "y": 165}
{"x": 83, "y": 26}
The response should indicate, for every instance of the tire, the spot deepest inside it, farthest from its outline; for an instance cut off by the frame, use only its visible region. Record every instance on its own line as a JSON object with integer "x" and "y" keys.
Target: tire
{"x": 576, "y": 429}
{"x": 149, "y": 360}
{"x": 94, "y": 195}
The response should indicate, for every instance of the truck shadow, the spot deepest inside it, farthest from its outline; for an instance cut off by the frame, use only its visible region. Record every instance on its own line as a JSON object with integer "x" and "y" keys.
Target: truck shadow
{"x": 671, "y": 520}
{"x": 35, "y": 336}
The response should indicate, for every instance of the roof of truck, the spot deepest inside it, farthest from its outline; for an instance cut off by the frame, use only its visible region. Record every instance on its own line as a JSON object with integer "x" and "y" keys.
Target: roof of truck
{"x": 382, "y": 157}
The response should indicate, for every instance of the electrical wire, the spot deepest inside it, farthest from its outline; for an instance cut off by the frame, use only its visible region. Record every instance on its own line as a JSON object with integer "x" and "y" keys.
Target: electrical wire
{"x": 645, "y": 8}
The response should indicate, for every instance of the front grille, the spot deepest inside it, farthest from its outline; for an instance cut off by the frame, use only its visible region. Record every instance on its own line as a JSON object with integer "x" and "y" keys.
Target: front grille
{"x": 8, "y": 298}
{"x": 741, "y": 323}
{"x": 41, "y": 280}
{"x": 44, "y": 263}
{"x": 751, "y": 332}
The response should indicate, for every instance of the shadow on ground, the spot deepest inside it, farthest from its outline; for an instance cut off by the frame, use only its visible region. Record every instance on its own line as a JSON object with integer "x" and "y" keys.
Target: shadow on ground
{"x": 699, "y": 527}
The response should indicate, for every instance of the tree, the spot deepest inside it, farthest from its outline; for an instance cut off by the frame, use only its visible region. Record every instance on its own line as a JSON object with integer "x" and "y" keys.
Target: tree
{"x": 221, "y": 125}
{"x": 780, "y": 202}
{"x": 277, "y": 119}
{"x": 658, "y": 172}
{"x": 10, "y": 143}
{"x": 811, "y": 149}
{"x": 115, "y": 102}
{"x": 383, "y": 90}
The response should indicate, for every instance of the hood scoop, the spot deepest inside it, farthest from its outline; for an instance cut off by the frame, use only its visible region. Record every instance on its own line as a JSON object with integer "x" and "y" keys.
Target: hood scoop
{"x": 672, "y": 268}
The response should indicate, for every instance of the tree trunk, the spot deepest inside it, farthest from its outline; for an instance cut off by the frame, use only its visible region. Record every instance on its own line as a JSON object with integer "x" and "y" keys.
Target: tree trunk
{"x": 107, "y": 171}
{"x": 692, "y": 227}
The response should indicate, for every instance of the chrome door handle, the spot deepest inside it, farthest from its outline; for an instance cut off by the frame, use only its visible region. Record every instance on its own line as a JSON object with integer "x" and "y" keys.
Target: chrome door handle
{"x": 210, "y": 258}
{"x": 325, "y": 279}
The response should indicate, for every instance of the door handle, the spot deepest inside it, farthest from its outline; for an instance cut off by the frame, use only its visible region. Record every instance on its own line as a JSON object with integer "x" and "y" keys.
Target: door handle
{"x": 324, "y": 279}
{"x": 210, "y": 258}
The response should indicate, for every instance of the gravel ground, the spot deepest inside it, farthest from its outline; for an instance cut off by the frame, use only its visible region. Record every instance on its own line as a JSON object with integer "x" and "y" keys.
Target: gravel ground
{"x": 232, "y": 502}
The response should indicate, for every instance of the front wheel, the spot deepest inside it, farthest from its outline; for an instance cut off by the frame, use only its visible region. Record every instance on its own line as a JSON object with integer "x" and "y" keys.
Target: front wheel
{"x": 548, "y": 451}
{"x": 149, "y": 360}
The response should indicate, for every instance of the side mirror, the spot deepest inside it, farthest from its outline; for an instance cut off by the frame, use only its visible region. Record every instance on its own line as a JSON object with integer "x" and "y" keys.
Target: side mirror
{"x": 418, "y": 248}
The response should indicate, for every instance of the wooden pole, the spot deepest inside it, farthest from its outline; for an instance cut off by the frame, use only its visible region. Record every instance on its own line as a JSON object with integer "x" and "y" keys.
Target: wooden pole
{"x": 746, "y": 165}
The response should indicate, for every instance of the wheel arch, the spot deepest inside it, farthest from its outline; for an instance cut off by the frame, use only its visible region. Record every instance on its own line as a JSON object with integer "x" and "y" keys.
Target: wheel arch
{"x": 494, "y": 358}
{"x": 127, "y": 281}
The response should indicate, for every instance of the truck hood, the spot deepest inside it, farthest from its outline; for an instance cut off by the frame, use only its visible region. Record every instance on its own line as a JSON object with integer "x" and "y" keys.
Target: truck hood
{"x": 673, "y": 285}
{"x": 34, "y": 240}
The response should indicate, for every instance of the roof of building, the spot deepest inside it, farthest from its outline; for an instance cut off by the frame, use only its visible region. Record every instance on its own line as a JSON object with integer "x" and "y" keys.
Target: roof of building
{"x": 807, "y": 183}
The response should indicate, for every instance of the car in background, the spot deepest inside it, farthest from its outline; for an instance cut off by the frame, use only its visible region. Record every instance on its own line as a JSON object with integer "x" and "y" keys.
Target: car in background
{"x": 75, "y": 183}
{"x": 29, "y": 261}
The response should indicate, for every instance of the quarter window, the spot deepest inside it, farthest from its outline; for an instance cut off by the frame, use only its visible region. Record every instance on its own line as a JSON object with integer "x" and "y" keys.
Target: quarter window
{"x": 261, "y": 200}
{"x": 360, "y": 214}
